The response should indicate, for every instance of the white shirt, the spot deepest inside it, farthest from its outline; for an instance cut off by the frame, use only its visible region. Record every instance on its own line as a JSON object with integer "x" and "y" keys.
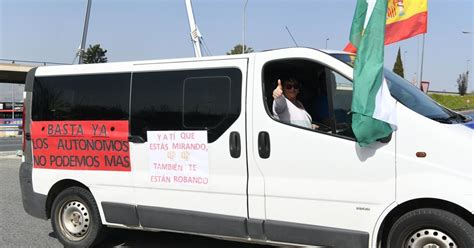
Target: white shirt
{"x": 288, "y": 112}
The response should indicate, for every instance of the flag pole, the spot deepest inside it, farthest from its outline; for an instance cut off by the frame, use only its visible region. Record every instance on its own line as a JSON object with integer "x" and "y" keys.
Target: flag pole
{"x": 422, "y": 59}
{"x": 417, "y": 73}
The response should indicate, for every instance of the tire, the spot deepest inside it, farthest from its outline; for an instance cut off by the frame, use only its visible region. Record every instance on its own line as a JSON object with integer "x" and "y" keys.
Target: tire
{"x": 75, "y": 218}
{"x": 421, "y": 227}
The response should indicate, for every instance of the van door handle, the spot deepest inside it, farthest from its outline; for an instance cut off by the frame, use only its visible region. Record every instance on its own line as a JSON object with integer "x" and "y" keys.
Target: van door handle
{"x": 264, "y": 145}
{"x": 135, "y": 139}
{"x": 234, "y": 144}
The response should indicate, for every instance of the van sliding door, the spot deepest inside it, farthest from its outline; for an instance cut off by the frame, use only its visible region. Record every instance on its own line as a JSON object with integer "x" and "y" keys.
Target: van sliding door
{"x": 188, "y": 146}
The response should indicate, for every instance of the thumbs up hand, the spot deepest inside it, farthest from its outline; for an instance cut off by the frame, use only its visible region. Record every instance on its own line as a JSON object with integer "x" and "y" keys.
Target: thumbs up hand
{"x": 278, "y": 91}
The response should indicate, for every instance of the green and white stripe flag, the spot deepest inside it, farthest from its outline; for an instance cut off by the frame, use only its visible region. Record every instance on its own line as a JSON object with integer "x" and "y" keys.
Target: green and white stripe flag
{"x": 373, "y": 108}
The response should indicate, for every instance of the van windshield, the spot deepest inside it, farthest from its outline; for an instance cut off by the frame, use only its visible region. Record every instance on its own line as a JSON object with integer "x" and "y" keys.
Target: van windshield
{"x": 413, "y": 98}
{"x": 410, "y": 96}
{"x": 344, "y": 57}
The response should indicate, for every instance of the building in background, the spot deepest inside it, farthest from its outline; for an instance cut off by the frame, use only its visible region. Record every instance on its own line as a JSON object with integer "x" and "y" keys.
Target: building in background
{"x": 11, "y": 104}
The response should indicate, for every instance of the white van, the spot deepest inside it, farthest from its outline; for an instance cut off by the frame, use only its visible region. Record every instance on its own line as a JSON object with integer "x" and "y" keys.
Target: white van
{"x": 191, "y": 145}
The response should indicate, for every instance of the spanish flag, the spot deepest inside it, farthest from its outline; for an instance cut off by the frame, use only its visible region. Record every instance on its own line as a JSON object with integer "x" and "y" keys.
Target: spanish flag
{"x": 405, "y": 19}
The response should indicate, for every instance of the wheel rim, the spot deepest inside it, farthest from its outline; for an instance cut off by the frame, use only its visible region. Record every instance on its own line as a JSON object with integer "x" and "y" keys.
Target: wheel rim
{"x": 430, "y": 238}
{"x": 74, "y": 220}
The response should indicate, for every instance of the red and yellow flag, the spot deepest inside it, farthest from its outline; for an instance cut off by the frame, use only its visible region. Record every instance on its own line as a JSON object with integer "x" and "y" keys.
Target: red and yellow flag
{"x": 405, "y": 19}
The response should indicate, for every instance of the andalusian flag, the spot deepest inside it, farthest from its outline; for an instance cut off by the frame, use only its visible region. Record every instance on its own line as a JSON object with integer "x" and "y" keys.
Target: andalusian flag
{"x": 405, "y": 19}
{"x": 373, "y": 108}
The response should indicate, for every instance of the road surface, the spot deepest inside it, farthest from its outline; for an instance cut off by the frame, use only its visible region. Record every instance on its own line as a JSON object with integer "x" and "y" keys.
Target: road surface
{"x": 10, "y": 144}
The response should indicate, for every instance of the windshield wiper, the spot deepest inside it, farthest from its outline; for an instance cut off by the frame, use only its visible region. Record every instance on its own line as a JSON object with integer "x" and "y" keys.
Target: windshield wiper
{"x": 446, "y": 120}
{"x": 460, "y": 117}
{"x": 466, "y": 118}
{"x": 452, "y": 119}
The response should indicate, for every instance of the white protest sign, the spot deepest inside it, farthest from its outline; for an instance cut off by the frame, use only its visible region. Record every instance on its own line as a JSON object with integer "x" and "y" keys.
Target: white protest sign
{"x": 178, "y": 157}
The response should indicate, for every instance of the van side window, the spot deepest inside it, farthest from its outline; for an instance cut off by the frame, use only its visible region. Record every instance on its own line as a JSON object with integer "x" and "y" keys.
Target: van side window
{"x": 81, "y": 97}
{"x": 341, "y": 92}
{"x": 186, "y": 100}
{"x": 206, "y": 101}
{"x": 325, "y": 94}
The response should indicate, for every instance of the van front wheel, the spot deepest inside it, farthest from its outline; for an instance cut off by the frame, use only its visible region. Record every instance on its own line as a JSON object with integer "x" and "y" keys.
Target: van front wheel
{"x": 75, "y": 218}
{"x": 429, "y": 227}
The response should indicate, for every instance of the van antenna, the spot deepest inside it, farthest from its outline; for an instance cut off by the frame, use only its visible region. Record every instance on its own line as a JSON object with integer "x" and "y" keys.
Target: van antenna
{"x": 287, "y": 29}
{"x": 196, "y": 36}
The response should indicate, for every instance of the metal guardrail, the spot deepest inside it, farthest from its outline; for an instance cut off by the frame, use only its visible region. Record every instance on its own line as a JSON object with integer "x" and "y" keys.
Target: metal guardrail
{"x": 9, "y": 127}
{"x": 442, "y": 92}
{"x": 10, "y": 131}
{"x": 14, "y": 61}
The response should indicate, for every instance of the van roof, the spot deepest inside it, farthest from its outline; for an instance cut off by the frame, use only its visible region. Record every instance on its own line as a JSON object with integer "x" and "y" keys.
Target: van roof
{"x": 128, "y": 65}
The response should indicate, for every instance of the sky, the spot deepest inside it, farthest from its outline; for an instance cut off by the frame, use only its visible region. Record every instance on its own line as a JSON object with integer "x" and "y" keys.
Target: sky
{"x": 51, "y": 30}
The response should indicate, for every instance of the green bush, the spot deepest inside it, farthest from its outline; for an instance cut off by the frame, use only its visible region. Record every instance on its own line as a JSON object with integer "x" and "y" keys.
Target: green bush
{"x": 454, "y": 102}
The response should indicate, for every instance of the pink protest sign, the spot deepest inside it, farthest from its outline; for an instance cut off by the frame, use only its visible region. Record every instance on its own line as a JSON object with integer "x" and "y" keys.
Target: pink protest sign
{"x": 178, "y": 157}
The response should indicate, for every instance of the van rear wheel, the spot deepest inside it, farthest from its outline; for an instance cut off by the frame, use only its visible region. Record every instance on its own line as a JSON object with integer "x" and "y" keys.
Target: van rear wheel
{"x": 432, "y": 228}
{"x": 75, "y": 218}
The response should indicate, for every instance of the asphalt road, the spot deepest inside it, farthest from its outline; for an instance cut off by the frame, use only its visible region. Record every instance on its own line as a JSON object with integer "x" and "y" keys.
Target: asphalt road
{"x": 10, "y": 144}
{"x": 18, "y": 229}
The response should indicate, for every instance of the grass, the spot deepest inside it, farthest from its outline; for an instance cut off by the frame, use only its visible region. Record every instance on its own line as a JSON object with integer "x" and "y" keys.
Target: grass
{"x": 455, "y": 102}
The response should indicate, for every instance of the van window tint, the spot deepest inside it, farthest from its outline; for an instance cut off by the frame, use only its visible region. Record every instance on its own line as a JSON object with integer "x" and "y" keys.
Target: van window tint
{"x": 81, "y": 97}
{"x": 186, "y": 100}
{"x": 206, "y": 101}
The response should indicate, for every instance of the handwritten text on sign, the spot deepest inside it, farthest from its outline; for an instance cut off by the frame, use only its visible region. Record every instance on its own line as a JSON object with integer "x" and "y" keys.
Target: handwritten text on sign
{"x": 178, "y": 157}
{"x": 81, "y": 145}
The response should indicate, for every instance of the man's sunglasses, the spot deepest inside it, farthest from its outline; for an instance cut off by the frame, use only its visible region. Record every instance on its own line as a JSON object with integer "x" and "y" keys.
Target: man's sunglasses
{"x": 290, "y": 86}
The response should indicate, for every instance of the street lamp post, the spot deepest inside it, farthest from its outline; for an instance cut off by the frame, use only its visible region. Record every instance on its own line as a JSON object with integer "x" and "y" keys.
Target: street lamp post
{"x": 327, "y": 43}
{"x": 243, "y": 27}
{"x": 467, "y": 69}
{"x": 84, "y": 32}
{"x": 415, "y": 78}
{"x": 13, "y": 104}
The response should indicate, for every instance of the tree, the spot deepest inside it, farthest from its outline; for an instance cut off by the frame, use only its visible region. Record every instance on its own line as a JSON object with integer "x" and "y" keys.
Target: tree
{"x": 94, "y": 54}
{"x": 238, "y": 50}
{"x": 398, "y": 66}
{"x": 462, "y": 83}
